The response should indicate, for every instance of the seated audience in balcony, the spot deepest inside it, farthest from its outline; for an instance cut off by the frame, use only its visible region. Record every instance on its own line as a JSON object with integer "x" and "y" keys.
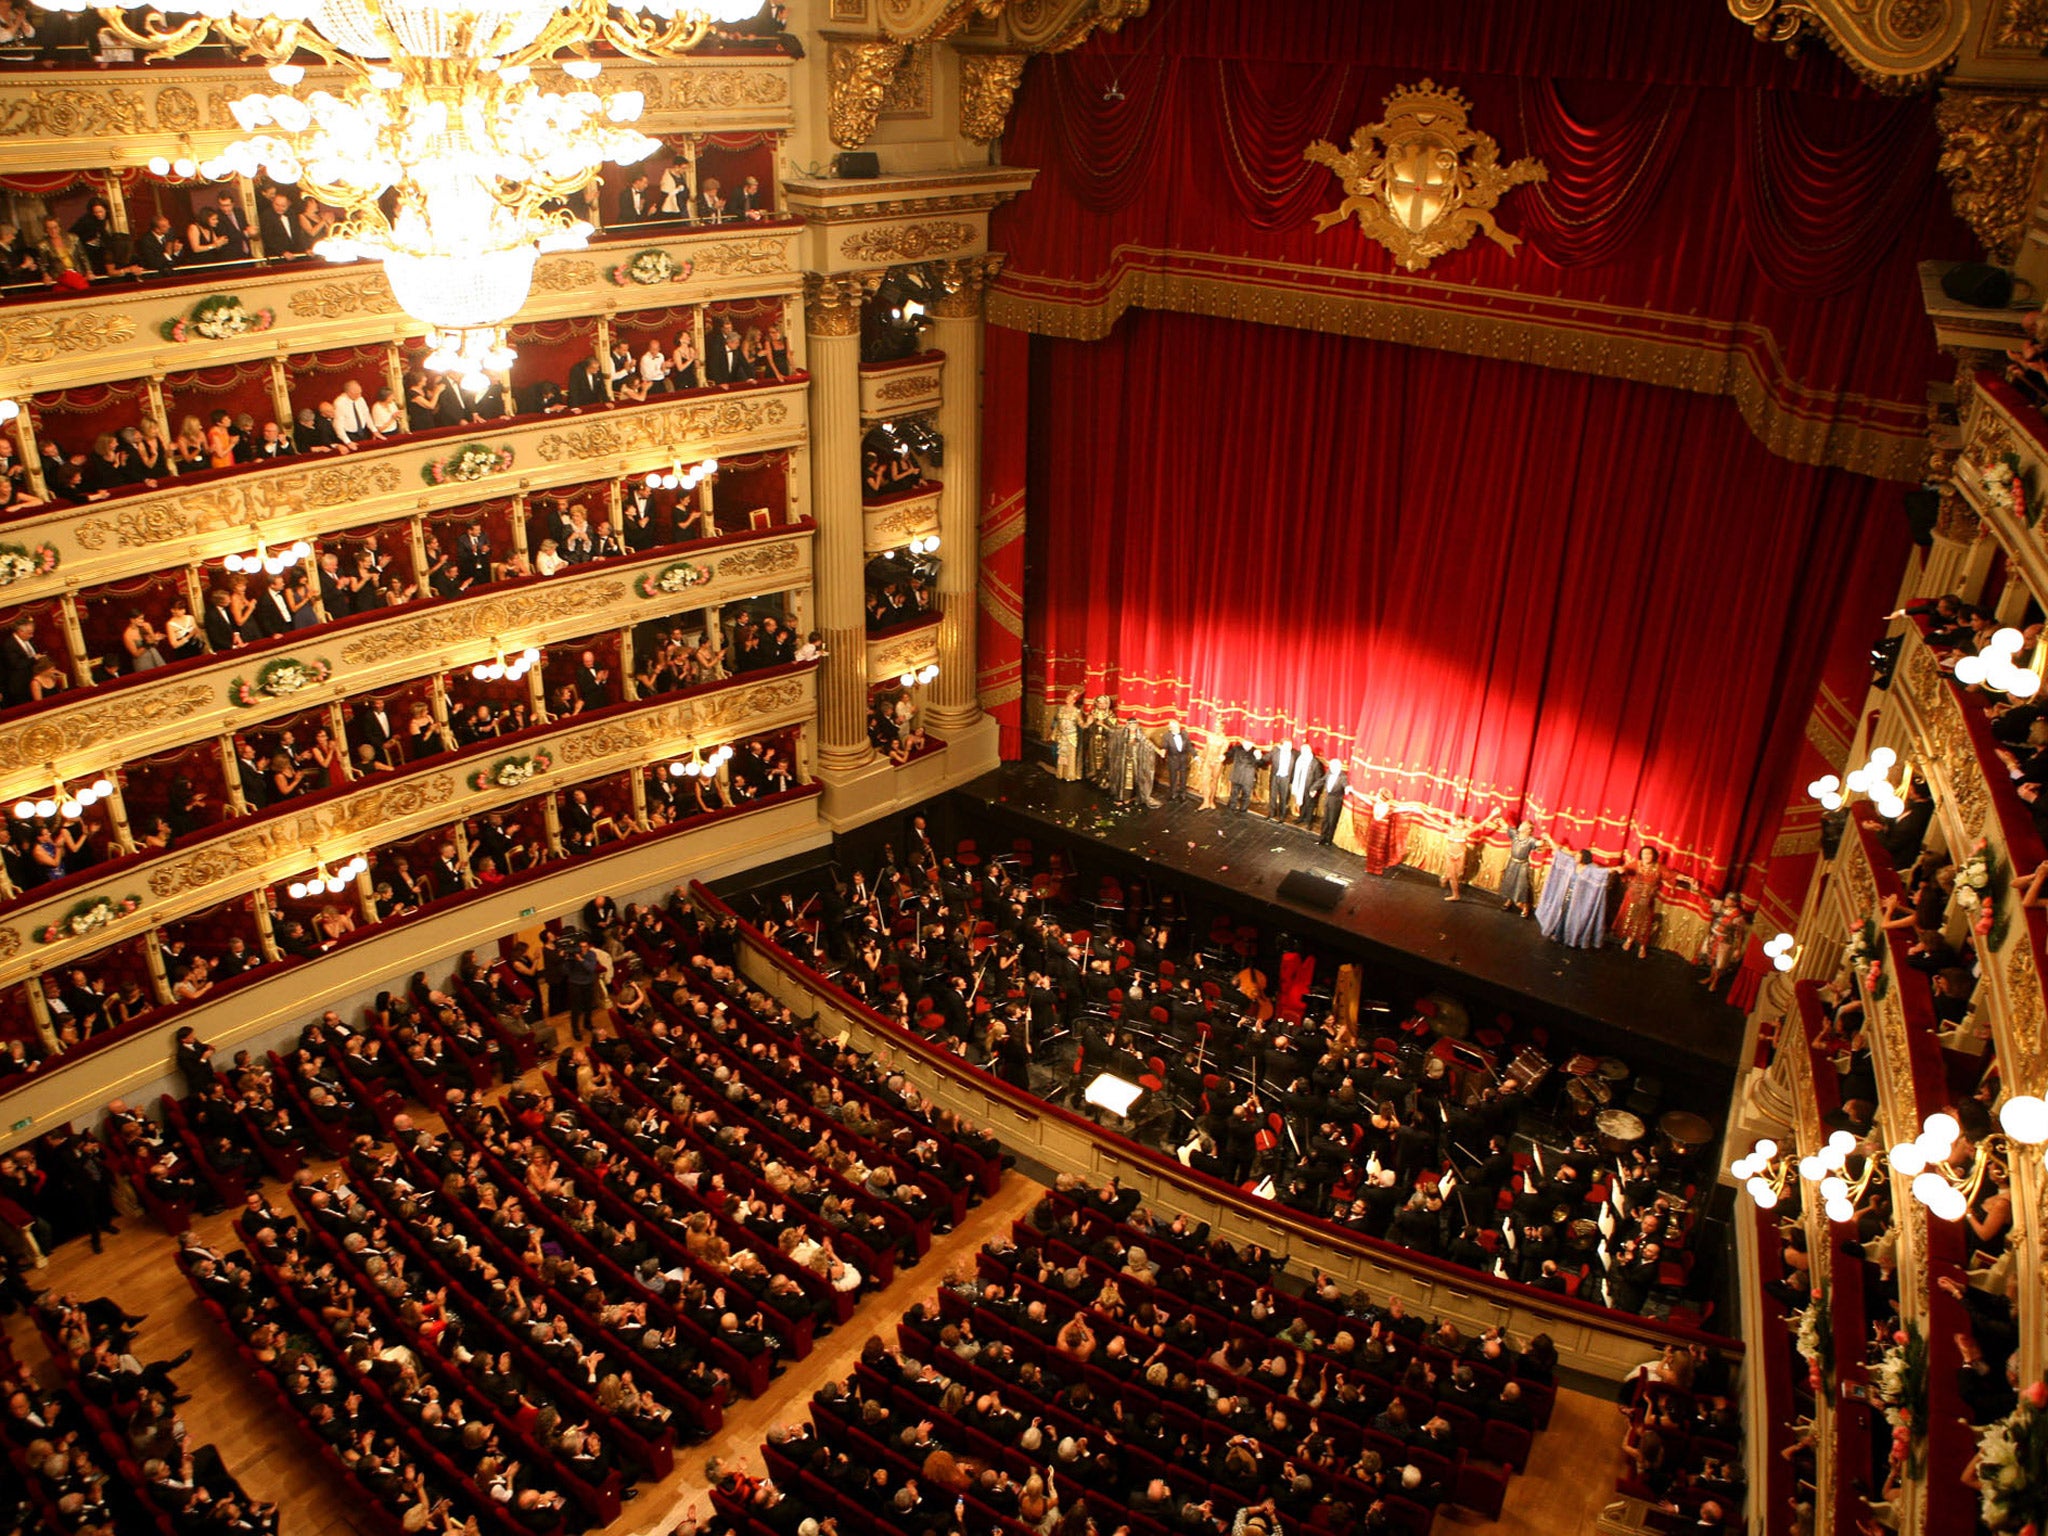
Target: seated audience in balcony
{"x": 18, "y": 263}
{"x": 121, "y": 256}
{"x": 882, "y": 473}
{"x": 547, "y": 560}
{"x": 61, "y": 256}
{"x": 750, "y": 202}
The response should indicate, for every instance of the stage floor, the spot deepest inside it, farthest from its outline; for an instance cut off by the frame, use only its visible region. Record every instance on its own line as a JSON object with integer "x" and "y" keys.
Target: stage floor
{"x": 1644, "y": 1010}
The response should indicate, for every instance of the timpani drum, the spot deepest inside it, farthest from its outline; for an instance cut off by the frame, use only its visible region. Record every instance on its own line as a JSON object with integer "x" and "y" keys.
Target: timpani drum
{"x": 1685, "y": 1134}
{"x": 1619, "y": 1131}
{"x": 1614, "y": 1071}
{"x": 1585, "y": 1098}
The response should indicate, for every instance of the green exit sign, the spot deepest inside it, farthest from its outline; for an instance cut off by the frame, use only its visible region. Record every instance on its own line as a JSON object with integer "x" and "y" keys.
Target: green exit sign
{"x": 23, "y": 1124}
{"x": 526, "y": 911}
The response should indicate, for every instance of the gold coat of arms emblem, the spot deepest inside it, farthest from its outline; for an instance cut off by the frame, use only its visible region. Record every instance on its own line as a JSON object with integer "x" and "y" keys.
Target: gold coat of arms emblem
{"x": 1422, "y": 181}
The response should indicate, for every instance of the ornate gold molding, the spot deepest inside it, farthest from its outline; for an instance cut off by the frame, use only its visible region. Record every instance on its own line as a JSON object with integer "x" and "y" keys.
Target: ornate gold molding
{"x": 1421, "y": 181}
{"x": 27, "y": 337}
{"x": 1042, "y": 26}
{"x": 832, "y": 301}
{"x": 908, "y": 242}
{"x": 964, "y": 285}
{"x": 464, "y": 623}
{"x": 1990, "y": 151}
{"x": 2020, "y": 24}
{"x": 858, "y": 71}
{"x": 668, "y": 428}
{"x": 988, "y": 87}
{"x": 149, "y": 521}
{"x": 1895, "y": 45}
{"x": 64, "y": 734}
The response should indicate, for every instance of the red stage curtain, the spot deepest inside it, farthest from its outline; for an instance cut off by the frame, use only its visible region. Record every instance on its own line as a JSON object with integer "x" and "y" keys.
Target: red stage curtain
{"x": 999, "y": 633}
{"x": 1601, "y": 604}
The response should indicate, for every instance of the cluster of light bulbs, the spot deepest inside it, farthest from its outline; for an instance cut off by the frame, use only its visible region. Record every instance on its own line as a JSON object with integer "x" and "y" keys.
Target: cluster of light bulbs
{"x": 924, "y": 544}
{"x": 1783, "y": 951}
{"x": 1924, "y": 1160}
{"x": 63, "y": 802}
{"x": 700, "y": 767}
{"x": 471, "y": 355}
{"x": 677, "y": 478}
{"x": 329, "y": 882}
{"x": 184, "y": 167}
{"x": 1872, "y": 779}
{"x": 922, "y": 675}
{"x": 1824, "y": 1168}
{"x": 1996, "y": 667}
{"x": 270, "y": 562}
{"x": 499, "y": 670}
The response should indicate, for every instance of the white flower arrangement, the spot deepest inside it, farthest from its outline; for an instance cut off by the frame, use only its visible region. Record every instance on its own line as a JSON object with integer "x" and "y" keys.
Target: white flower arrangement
{"x": 1998, "y": 481}
{"x": 18, "y": 564}
{"x": 1973, "y": 879}
{"x": 91, "y": 920}
{"x": 289, "y": 678}
{"x": 515, "y": 771}
{"x": 2012, "y": 1464}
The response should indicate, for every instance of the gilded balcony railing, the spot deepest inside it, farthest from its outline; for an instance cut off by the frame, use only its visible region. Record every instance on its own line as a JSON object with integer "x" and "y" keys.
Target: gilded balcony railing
{"x": 61, "y": 118}
{"x": 125, "y": 331}
{"x": 246, "y": 854}
{"x": 84, "y": 732}
{"x": 207, "y": 518}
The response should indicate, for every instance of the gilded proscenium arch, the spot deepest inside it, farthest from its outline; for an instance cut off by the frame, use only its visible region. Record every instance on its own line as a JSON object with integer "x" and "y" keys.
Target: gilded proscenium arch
{"x": 134, "y": 535}
{"x": 1875, "y": 437}
{"x": 118, "y": 333}
{"x": 83, "y": 733}
{"x": 245, "y": 855}
{"x": 1894, "y": 45}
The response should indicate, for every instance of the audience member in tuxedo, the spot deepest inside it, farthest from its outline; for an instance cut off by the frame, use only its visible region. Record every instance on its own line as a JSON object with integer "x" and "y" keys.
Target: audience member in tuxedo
{"x": 371, "y": 726}
{"x": 725, "y": 359}
{"x": 588, "y": 384}
{"x": 20, "y": 659}
{"x": 274, "y": 224}
{"x": 637, "y": 201}
{"x": 158, "y": 248}
{"x": 314, "y": 431}
{"x": 750, "y": 202}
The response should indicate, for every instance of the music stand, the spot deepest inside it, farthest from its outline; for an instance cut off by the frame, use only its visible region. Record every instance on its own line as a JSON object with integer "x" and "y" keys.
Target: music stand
{"x": 1113, "y": 1093}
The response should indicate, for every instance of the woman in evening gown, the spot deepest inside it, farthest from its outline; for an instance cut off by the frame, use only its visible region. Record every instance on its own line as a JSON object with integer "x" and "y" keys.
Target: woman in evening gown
{"x": 1066, "y": 735}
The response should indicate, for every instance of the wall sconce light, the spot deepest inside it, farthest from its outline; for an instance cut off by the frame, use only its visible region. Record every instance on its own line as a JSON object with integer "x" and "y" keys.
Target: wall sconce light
{"x": 332, "y": 882}
{"x": 61, "y": 801}
{"x": 1938, "y": 1184}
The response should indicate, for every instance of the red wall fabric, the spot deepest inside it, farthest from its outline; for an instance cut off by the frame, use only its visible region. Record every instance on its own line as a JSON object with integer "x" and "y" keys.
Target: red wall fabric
{"x": 1604, "y": 605}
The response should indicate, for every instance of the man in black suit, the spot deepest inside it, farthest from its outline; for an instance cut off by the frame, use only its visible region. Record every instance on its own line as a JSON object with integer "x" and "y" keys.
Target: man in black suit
{"x": 338, "y": 587}
{"x": 255, "y": 782}
{"x": 157, "y": 248}
{"x": 723, "y": 361}
{"x": 473, "y": 554}
{"x": 222, "y": 633}
{"x": 273, "y": 612}
{"x": 274, "y": 224}
{"x": 750, "y": 202}
{"x": 593, "y": 683}
{"x": 636, "y": 203}
{"x": 1333, "y": 802}
{"x": 447, "y": 872}
{"x": 457, "y": 405}
{"x": 371, "y": 727}
{"x": 1178, "y": 750}
{"x": 587, "y": 384}
{"x": 19, "y": 658}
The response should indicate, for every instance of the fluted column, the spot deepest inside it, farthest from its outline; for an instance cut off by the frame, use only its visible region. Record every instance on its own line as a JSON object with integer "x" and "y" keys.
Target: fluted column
{"x": 953, "y": 700}
{"x": 832, "y": 326}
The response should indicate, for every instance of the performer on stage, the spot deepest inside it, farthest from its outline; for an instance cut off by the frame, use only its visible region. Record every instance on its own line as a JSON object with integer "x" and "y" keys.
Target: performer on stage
{"x": 1140, "y": 767}
{"x": 1215, "y": 774}
{"x": 1517, "y": 885}
{"x": 1585, "y": 924}
{"x": 1178, "y": 749}
{"x": 1095, "y": 737}
{"x": 1333, "y": 801}
{"x": 1307, "y": 783}
{"x": 1727, "y": 937}
{"x": 1458, "y": 850}
{"x": 1116, "y": 762}
{"x": 1066, "y": 735}
{"x": 1638, "y": 919}
{"x": 1379, "y": 835}
{"x": 1283, "y": 774}
{"x": 1555, "y": 902}
{"x": 1244, "y": 762}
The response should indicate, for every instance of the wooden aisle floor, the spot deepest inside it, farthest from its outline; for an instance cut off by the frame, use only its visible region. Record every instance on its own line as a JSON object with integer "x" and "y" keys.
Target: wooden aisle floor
{"x": 1570, "y": 1476}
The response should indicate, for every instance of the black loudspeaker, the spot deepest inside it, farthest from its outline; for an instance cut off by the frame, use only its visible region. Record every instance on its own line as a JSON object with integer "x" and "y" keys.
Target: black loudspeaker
{"x": 1975, "y": 284}
{"x": 1313, "y": 890}
{"x": 865, "y": 165}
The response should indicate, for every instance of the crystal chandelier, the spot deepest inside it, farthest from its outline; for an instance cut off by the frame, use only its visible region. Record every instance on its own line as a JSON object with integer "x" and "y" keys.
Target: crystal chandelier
{"x": 448, "y": 162}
